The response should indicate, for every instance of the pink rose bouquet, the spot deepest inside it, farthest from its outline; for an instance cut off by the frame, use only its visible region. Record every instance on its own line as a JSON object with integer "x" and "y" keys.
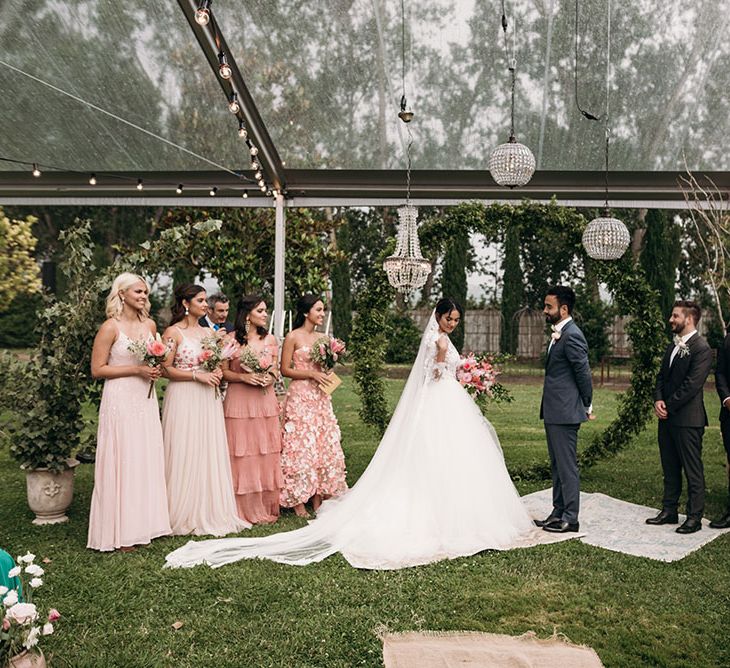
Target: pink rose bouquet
{"x": 215, "y": 350}
{"x": 22, "y": 624}
{"x": 259, "y": 363}
{"x": 478, "y": 376}
{"x": 151, "y": 352}
{"x": 328, "y": 351}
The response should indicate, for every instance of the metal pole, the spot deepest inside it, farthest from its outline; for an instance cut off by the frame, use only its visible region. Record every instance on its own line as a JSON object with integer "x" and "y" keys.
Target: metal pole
{"x": 279, "y": 247}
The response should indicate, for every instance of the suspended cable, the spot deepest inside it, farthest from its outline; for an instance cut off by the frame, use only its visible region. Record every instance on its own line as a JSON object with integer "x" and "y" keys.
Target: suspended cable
{"x": 585, "y": 113}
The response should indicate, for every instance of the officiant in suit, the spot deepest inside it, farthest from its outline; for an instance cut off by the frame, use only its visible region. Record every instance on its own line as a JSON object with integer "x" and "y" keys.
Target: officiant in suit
{"x": 217, "y": 316}
{"x": 722, "y": 383}
{"x": 679, "y": 405}
{"x": 567, "y": 401}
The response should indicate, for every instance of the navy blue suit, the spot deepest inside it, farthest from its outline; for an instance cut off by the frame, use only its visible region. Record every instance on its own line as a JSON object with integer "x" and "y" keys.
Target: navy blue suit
{"x": 567, "y": 395}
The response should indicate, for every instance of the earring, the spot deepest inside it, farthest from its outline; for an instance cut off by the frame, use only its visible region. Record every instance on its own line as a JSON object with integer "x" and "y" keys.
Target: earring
{"x": 122, "y": 301}
{"x": 187, "y": 311}
{"x": 246, "y": 327}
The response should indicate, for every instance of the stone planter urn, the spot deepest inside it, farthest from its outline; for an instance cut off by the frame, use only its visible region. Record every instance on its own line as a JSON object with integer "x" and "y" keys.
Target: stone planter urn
{"x": 27, "y": 660}
{"x": 50, "y": 493}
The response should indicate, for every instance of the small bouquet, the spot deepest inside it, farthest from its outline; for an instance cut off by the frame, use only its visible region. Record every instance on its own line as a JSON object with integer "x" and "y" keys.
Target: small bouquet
{"x": 258, "y": 363}
{"x": 151, "y": 352}
{"x": 478, "y": 376}
{"x": 215, "y": 350}
{"x": 21, "y": 624}
{"x": 328, "y": 351}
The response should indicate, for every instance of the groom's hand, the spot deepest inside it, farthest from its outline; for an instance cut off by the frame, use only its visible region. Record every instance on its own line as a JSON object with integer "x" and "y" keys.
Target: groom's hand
{"x": 660, "y": 410}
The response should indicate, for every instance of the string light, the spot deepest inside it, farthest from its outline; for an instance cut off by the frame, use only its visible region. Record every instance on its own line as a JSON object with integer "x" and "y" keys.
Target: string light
{"x": 245, "y": 195}
{"x": 139, "y": 184}
{"x": 36, "y": 171}
{"x": 257, "y": 175}
{"x": 233, "y": 105}
{"x": 224, "y": 69}
{"x": 242, "y": 130}
{"x": 92, "y": 180}
{"x": 179, "y": 189}
{"x": 263, "y": 189}
{"x": 255, "y": 165}
{"x": 213, "y": 191}
{"x": 254, "y": 150}
{"x": 202, "y": 14}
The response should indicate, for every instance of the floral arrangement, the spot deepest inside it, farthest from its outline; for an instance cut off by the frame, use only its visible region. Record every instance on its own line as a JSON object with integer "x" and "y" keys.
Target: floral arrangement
{"x": 254, "y": 362}
{"x": 151, "y": 352}
{"x": 21, "y": 626}
{"x": 478, "y": 376}
{"x": 682, "y": 347}
{"x": 328, "y": 351}
{"x": 215, "y": 350}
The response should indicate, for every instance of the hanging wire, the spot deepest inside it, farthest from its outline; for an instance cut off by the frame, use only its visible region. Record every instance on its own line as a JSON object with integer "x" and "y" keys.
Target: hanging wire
{"x": 511, "y": 67}
{"x": 608, "y": 90}
{"x": 585, "y": 113}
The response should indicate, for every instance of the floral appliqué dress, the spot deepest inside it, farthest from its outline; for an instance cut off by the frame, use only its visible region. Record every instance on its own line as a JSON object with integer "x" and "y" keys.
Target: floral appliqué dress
{"x": 312, "y": 460}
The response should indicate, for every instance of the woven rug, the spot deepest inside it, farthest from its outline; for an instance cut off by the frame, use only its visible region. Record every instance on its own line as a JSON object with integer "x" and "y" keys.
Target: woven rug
{"x": 469, "y": 650}
{"x": 621, "y": 526}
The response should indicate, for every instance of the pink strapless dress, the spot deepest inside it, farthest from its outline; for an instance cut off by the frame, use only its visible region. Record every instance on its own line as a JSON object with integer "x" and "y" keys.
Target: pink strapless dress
{"x": 312, "y": 460}
{"x": 129, "y": 502}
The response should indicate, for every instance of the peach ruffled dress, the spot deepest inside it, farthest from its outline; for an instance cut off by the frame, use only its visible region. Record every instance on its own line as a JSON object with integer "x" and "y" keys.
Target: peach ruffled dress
{"x": 129, "y": 502}
{"x": 312, "y": 460}
{"x": 254, "y": 445}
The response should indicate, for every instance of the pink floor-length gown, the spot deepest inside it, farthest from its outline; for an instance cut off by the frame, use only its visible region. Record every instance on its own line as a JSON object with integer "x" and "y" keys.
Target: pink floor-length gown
{"x": 312, "y": 460}
{"x": 198, "y": 472}
{"x": 254, "y": 446}
{"x": 129, "y": 502}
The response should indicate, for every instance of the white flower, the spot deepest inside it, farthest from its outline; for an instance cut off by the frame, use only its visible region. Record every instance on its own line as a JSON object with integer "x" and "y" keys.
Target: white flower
{"x": 47, "y": 629}
{"x": 35, "y": 583}
{"x": 3, "y": 591}
{"x": 34, "y": 570}
{"x": 27, "y": 558}
{"x": 22, "y": 613}
{"x": 11, "y": 598}
{"x": 14, "y": 572}
{"x": 32, "y": 639}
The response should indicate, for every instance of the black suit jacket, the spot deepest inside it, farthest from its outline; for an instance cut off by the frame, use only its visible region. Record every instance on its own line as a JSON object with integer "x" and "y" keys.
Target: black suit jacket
{"x": 722, "y": 376}
{"x": 228, "y": 326}
{"x": 681, "y": 385}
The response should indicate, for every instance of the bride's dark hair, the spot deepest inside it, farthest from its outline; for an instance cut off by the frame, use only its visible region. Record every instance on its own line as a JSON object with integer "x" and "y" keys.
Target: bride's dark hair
{"x": 446, "y": 305}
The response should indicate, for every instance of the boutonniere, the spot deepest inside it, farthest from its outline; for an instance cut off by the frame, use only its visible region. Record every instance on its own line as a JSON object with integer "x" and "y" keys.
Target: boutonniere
{"x": 682, "y": 347}
{"x": 555, "y": 336}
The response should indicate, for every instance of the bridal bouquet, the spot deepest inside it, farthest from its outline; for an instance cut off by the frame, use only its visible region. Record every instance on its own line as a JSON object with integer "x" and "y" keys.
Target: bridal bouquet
{"x": 253, "y": 362}
{"x": 215, "y": 350}
{"x": 328, "y": 351}
{"x": 478, "y": 376}
{"x": 22, "y": 626}
{"x": 151, "y": 352}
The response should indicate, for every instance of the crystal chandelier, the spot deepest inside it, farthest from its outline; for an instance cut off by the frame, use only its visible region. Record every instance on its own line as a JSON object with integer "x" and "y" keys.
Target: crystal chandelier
{"x": 407, "y": 269}
{"x": 511, "y": 164}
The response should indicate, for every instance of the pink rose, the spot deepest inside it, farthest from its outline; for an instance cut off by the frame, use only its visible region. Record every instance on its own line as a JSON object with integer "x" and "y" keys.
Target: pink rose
{"x": 467, "y": 377}
{"x": 22, "y": 613}
{"x": 156, "y": 348}
{"x": 337, "y": 346}
{"x": 53, "y": 615}
{"x": 322, "y": 349}
{"x": 205, "y": 356}
{"x": 265, "y": 361}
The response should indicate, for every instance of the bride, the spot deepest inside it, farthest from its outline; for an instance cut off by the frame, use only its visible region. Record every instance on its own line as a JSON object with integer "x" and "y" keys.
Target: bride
{"x": 436, "y": 488}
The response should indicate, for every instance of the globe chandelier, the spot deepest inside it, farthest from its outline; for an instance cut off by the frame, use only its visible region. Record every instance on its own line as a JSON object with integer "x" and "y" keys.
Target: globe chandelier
{"x": 407, "y": 269}
{"x": 511, "y": 164}
{"x": 605, "y": 237}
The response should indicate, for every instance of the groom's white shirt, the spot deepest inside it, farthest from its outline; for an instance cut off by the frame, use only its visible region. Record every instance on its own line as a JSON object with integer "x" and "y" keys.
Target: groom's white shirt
{"x": 559, "y": 328}
{"x": 685, "y": 338}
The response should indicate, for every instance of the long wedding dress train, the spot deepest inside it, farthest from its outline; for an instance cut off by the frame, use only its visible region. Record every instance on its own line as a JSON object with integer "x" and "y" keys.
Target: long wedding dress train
{"x": 436, "y": 488}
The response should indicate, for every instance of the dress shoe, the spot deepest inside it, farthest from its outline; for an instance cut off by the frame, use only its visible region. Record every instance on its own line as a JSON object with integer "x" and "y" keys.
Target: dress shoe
{"x": 548, "y": 520}
{"x": 691, "y": 524}
{"x": 664, "y": 517}
{"x": 722, "y": 522}
{"x": 560, "y": 526}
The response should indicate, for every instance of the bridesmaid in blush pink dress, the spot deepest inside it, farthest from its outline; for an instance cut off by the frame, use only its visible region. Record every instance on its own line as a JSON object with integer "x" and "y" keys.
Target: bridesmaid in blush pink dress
{"x": 312, "y": 460}
{"x": 252, "y": 417}
{"x": 129, "y": 502}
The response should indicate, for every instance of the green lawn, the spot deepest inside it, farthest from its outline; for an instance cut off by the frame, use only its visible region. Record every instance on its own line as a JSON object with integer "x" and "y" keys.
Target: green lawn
{"x": 118, "y": 609}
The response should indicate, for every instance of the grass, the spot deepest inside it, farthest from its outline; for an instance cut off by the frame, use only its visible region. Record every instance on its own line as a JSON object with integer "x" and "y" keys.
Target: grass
{"x": 118, "y": 609}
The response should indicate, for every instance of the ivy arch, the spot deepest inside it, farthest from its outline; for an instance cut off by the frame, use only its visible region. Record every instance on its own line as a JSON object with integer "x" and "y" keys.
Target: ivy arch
{"x": 625, "y": 280}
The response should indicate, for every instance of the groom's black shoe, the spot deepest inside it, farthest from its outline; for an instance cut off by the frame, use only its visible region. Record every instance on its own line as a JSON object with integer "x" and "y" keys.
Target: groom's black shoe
{"x": 722, "y": 522}
{"x": 560, "y": 526}
{"x": 664, "y": 517}
{"x": 548, "y": 520}
{"x": 691, "y": 524}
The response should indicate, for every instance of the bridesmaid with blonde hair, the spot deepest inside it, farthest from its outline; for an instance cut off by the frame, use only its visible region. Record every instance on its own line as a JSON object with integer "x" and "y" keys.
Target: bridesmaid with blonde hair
{"x": 198, "y": 472}
{"x": 129, "y": 502}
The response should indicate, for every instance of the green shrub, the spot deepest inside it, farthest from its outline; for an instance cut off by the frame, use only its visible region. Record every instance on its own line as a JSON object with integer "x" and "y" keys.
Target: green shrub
{"x": 18, "y": 324}
{"x": 403, "y": 341}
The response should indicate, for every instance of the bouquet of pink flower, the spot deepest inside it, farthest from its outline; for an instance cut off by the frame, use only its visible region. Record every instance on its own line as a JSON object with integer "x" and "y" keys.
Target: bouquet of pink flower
{"x": 215, "y": 350}
{"x": 22, "y": 625}
{"x": 328, "y": 351}
{"x": 258, "y": 363}
{"x": 151, "y": 352}
{"x": 478, "y": 376}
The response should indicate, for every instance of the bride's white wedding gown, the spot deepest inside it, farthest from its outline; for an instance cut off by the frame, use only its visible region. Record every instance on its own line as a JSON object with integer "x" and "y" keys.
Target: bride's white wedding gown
{"x": 436, "y": 488}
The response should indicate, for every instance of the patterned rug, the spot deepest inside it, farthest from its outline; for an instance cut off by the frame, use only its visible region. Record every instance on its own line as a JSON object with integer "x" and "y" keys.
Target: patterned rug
{"x": 620, "y": 526}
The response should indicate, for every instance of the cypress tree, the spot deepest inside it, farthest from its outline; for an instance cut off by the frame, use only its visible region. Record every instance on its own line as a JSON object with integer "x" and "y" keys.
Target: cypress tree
{"x": 512, "y": 289}
{"x": 453, "y": 278}
{"x": 660, "y": 257}
{"x": 342, "y": 287}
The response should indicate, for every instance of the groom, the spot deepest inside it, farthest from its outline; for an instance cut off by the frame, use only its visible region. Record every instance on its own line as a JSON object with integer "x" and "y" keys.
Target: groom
{"x": 566, "y": 402}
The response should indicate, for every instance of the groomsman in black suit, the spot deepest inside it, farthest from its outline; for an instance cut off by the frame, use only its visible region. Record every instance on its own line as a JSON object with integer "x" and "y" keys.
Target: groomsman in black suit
{"x": 722, "y": 383}
{"x": 679, "y": 405}
{"x": 217, "y": 316}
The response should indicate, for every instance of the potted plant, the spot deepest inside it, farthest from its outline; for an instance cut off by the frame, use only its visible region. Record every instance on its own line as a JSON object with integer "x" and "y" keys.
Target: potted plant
{"x": 22, "y": 627}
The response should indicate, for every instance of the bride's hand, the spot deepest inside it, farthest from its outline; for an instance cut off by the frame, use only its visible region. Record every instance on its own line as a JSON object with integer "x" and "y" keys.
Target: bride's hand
{"x": 442, "y": 343}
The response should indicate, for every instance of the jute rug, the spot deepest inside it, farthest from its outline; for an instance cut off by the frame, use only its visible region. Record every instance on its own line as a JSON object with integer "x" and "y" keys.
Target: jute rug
{"x": 621, "y": 526}
{"x": 469, "y": 650}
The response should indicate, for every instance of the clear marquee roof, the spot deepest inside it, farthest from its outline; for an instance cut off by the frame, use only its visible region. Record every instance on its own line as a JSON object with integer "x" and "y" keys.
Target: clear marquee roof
{"x": 128, "y": 90}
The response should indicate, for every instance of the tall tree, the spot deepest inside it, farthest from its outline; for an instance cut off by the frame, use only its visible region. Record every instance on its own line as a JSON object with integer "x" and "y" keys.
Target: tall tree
{"x": 660, "y": 257}
{"x": 513, "y": 291}
{"x": 341, "y": 285}
{"x": 453, "y": 278}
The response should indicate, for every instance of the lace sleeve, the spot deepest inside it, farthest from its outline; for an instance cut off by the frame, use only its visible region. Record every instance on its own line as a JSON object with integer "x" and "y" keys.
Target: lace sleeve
{"x": 433, "y": 371}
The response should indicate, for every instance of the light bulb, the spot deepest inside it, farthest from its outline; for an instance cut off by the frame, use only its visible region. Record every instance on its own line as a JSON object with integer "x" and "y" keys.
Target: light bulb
{"x": 242, "y": 130}
{"x": 224, "y": 69}
{"x": 245, "y": 195}
{"x": 254, "y": 150}
{"x": 213, "y": 191}
{"x": 92, "y": 180}
{"x": 263, "y": 189}
{"x": 179, "y": 189}
{"x": 233, "y": 105}
{"x": 139, "y": 184}
{"x": 36, "y": 171}
{"x": 255, "y": 165}
{"x": 257, "y": 175}
{"x": 202, "y": 13}
{"x": 261, "y": 182}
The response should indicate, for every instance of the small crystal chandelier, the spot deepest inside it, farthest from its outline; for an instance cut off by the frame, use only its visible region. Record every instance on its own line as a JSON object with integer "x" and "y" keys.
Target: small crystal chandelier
{"x": 407, "y": 269}
{"x": 511, "y": 164}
